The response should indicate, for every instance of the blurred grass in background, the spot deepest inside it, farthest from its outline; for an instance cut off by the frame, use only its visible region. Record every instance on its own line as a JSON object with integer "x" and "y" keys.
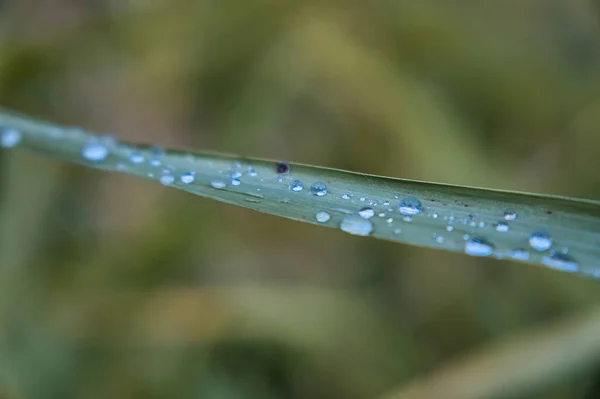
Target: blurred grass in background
{"x": 116, "y": 287}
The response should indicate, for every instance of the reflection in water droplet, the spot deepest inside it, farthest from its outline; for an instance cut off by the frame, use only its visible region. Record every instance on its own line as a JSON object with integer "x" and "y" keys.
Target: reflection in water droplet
{"x": 10, "y": 138}
{"x": 167, "y": 180}
{"x": 540, "y": 241}
{"x": 478, "y": 246}
{"x": 509, "y": 215}
{"x": 319, "y": 189}
{"x": 323, "y": 217}
{"x": 296, "y": 186}
{"x": 366, "y": 213}
{"x": 357, "y": 225}
{"x": 218, "y": 184}
{"x": 519, "y": 254}
{"x": 561, "y": 261}
{"x": 94, "y": 152}
{"x": 410, "y": 206}
{"x": 502, "y": 227}
{"x": 187, "y": 178}
{"x": 136, "y": 158}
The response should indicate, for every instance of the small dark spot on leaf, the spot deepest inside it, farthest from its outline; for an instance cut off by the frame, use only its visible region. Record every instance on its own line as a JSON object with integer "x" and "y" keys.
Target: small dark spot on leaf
{"x": 283, "y": 167}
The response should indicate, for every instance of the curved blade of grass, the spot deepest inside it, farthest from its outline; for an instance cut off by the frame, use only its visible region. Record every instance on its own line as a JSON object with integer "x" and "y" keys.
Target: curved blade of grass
{"x": 453, "y": 218}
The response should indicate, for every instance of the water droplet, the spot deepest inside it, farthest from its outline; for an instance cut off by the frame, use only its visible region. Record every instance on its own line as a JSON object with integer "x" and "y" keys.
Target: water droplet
{"x": 10, "y": 138}
{"x": 440, "y": 240}
{"x": 283, "y": 168}
{"x": 319, "y": 189}
{"x": 449, "y": 228}
{"x": 510, "y": 215}
{"x": 363, "y": 199}
{"x": 540, "y": 241}
{"x": 357, "y": 225}
{"x": 390, "y": 221}
{"x": 236, "y": 175}
{"x": 561, "y": 261}
{"x": 381, "y": 215}
{"x": 397, "y": 196}
{"x": 296, "y": 186}
{"x": 236, "y": 182}
{"x": 410, "y": 206}
{"x": 407, "y": 219}
{"x": 346, "y": 197}
{"x": 187, "y": 178}
{"x": 398, "y": 231}
{"x": 386, "y": 203}
{"x": 252, "y": 172}
{"x": 502, "y": 227}
{"x": 218, "y": 184}
{"x": 519, "y": 254}
{"x": 155, "y": 162}
{"x": 366, "y": 213}
{"x": 94, "y": 152}
{"x": 323, "y": 217}
{"x": 167, "y": 180}
{"x": 478, "y": 246}
{"x": 466, "y": 237}
{"x": 435, "y": 215}
{"x": 279, "y": 179}
{"x": 136, "y": 158}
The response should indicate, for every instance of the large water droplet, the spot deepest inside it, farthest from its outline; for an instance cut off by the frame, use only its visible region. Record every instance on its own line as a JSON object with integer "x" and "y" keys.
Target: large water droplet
{"x": 94, "y": 152}
{"x": 218, "y": 184}
{"x": 187, "y": 178}
{"x": 167, "y": 180}
{"x": 10, "y": 138}
{"x": 410, "y": 206}
{"x": 540, "y": 241}
{"x": 296, "y": 186}
{"x": 366, "y": 213}
{"x": 357, "y": 225}
{"x": 510, "y": 215}
{"x": 478, "y": 246}
{"x": 319, "y": 189}
{"x": 502, "y": 227}
{"x": 323, "y": 217}
{"x": 561, "y": 261}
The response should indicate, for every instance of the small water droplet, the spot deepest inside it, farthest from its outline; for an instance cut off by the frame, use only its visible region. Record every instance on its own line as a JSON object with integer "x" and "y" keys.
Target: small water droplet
{"x": 236, "y": 175}
{"x": 410, "y": 206}
{"x": 381, "y": 215}
{"x": 510, "y": 215}
{"x": 502, "y": 227}
{"x": 236, "y": 182}
{"x": 155, "y": 162}
{"x": 252, "y": 172}
{"x": 519, "y": 254}
{"x": 398, "y": 231}
{"x": 478, "y": 246}
{"x": 136, "y": 158}
{"x": 279, "y": 179}
{"x": 10, "y": 138}
{"x": 561, "y": 261}
{"x": 466, "y": 237}
{"x": 449, "y": 228}
{"x": 323, "y": 217}
{"x": 357, "y": 225}
{"x": 407, "y": 219}
{"x": 397, "y": 196}
{"x": 540, "y": 241}
{"x": 319, "y": 189}
{"x": 435, "y": 215}
{"x": 94, "y": 152}
{"x": 283, "y": 168}
{"x": 167, "y": 180}
{"x": 296, "y": 186}
{"x": 440, "y": 240}
{"x": 363, "y": 199}
{"x": 366, "y": 213}
{"x": 346, "y": 197}
{"x": 218, "y": 184}
{"x": 386, "y": 203}
{"x": 390, "y": 221}
{"x": 187, "y": 178}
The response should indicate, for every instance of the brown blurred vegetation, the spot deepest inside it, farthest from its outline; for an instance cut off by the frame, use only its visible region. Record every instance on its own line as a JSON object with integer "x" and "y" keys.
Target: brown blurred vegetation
{"x": 115, "y": 287}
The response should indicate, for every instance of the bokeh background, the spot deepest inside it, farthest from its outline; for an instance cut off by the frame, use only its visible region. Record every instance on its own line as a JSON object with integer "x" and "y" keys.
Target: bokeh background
{"x": 113, "y": 287}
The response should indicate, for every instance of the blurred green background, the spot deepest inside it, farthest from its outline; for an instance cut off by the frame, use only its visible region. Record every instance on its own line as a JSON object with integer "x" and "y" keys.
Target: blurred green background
{"x": 113, "y": 287}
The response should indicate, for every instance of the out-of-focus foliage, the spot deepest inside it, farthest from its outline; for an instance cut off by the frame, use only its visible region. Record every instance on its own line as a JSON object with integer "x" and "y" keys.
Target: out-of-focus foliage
{"x": 114, "y": 287}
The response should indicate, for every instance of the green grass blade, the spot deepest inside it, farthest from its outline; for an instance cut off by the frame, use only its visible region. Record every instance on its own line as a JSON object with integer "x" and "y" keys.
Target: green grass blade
{"x": 453, "y": 218}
